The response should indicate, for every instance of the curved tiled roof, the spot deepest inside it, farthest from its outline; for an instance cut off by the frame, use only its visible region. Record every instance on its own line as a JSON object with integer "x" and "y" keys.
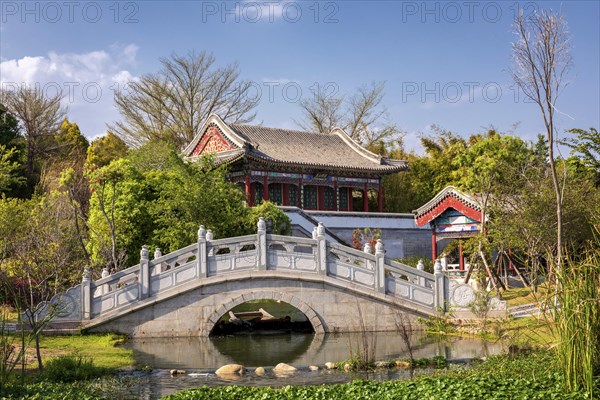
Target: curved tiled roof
{"x": 301, "y": 148}
{"x": 443, "y": 195}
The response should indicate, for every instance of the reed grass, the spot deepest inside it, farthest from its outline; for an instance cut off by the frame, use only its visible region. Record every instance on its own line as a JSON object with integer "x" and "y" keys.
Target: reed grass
{"x": 577, "y": 316}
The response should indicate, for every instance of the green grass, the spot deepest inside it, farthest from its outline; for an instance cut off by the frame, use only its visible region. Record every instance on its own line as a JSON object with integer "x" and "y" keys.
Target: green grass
{"x": 521, "y": 296}
{"x": 102, "y": 348}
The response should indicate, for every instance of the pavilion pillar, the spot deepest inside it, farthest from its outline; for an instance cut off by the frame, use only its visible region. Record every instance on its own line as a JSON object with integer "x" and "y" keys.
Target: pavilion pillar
{"x": 285, "y": 194}
{"x": 265, "y": 188}
{"x": 248, "y": 188}
{"x": 433, "y": 245}
{"x": 461, "y": 257}
{"x": 300, "y": 194}
{"x": 366, "y": 198}
{"x": 350, "y": 199}
{"x": 336, "y": 196}
{"x": 380, "y": 197}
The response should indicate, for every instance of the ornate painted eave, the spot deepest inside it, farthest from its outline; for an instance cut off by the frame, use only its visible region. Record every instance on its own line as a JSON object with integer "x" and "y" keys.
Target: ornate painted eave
{"x": 449, "y": 197}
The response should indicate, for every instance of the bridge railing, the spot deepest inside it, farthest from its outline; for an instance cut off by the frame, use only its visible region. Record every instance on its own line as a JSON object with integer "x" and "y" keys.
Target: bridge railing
{"x": 261, "y": 251}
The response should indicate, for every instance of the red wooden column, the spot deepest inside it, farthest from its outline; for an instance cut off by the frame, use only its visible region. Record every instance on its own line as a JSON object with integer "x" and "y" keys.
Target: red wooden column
{"x": 433, "y": 245}
{"x": 285, "y": 194}
{"x": 336, "y": 196}
{"x": 366, "y": 198}
{"x": 249, "y": 191}
{"x": 300, "y": 193}
{"x": 350, "y": 199}
{"x": 380, "y": 197}
{"x": 265, "y": 188}
{"x": 461, "y": 257}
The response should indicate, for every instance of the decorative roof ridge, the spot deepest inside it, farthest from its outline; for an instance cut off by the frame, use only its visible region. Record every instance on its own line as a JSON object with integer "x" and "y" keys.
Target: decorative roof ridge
{"x": 222, "y": 126}
{"x": 277, "y": 129}
{"x": 444, "y": 193}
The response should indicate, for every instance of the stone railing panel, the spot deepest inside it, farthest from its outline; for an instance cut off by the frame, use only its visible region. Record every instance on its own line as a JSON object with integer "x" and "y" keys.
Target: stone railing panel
{"x": 351, "y": 265}
{"x": 115, "y": 281}
{"x": 173, "y": 260}
{"x": 115, "y": 299}
{"x": 284, "y": 254}
{"x": 233, "y": 254}
{"x": 405, "y": 289}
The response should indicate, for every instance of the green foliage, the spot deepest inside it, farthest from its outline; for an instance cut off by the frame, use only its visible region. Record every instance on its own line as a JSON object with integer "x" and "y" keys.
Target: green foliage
{"x": 106, "y": 149}
{"x": 72, "y": 368}
{"x": 9, "y": 169}
{"x": 439, "y": 324}
{"x": 279, "y": 221}
{"x": 587, "y": 144}
{"x": 522, "y": 377}
{"x": 155, "y": 198}
{"x": 54, "y": 391}
{"x": 414, "y": 260}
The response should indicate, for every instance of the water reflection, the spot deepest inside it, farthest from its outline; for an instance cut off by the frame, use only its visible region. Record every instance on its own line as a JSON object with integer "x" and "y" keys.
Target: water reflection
{"x": 201, "y": 356}
{"x": 301, "y": 350}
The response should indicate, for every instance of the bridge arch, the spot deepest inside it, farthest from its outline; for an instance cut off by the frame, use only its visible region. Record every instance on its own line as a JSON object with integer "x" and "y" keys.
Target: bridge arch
{"x": 310, "y": 314}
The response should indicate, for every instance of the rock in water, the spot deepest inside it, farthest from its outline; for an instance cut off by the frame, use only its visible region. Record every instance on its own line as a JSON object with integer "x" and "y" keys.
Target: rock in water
{"x": 283, "y": 367}
{"x": 330, "y": 365}
{"x": 402, "y": 364}
{"x": 231, "y": 369}
{"x": 313, "y": 368}
{"x": 260, "y": 371}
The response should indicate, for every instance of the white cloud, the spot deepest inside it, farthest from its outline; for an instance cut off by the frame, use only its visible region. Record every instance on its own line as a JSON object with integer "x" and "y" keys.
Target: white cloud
{"x": 87, "y": 81}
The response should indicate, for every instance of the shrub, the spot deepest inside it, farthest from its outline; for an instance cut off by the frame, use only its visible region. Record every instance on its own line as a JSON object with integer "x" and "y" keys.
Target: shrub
{"x": 72, "y": 368}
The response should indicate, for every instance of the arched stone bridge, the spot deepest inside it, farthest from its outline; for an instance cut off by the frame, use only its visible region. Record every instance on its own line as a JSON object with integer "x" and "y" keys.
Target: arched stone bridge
{"x": 184, "y": 293}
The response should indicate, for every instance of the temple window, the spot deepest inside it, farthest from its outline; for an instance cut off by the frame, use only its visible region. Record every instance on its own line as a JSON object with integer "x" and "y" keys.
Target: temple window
{"x": 293, "y": 192}
{"x": 310, "y": 197}
{"x": 258, "y": 193}
{"x": 275, "y": 193}
{"x": 329, "y": 198}
{"x": 343, "y": 199}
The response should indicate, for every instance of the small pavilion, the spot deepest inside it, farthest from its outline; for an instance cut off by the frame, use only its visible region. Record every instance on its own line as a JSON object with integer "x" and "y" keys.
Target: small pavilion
{"x": 312, "y": 171}
{"x": 451, "y": 214}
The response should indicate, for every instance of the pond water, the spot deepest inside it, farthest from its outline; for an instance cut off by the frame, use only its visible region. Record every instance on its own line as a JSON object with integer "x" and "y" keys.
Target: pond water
{"x": 200, "y": 357}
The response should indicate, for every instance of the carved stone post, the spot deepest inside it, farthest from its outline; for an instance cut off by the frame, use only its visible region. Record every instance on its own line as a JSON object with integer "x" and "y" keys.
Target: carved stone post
{"x": 261, "y": 248}
{"x": 421, "y": 267}
{"x": 86, "y": 295}
{"x": 209, "y": 235}
{"x": 367, "y": 248}
{"x": 321, "y": 258}
{"x": 144, "y": 278}
{"x": 441, "y": 286}
{"x": 157, "y": 267}
{"x": 379, "y": 267}
{"x": 202, "y": 266}
{"x": 314, "y": 233}
{"x": 105, "y": 274}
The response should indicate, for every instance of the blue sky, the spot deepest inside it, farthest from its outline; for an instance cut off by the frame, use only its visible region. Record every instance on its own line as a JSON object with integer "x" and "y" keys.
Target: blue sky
{"x": 444, "y": 63}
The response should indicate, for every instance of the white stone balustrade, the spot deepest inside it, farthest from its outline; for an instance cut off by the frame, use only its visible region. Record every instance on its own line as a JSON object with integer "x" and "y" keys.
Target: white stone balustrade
{"x": 208, "y": 258}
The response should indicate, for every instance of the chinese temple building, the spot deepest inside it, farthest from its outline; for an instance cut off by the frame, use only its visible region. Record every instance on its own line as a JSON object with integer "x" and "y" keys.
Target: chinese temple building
{"x": 312, "y": 171}
{"x": 451, "y": 214}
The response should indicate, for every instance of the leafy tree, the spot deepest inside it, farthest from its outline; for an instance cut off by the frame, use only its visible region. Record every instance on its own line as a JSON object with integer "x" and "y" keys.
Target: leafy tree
{"x": 172, "y": 104}
{"x": 153, "y": 197}
{"x": 278, "y": 221}
{"x": 42, "y": 253}
{"x": 105, "y": 149}
{"x": 587, "y": 144}
{"x": 9, "y": 169}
